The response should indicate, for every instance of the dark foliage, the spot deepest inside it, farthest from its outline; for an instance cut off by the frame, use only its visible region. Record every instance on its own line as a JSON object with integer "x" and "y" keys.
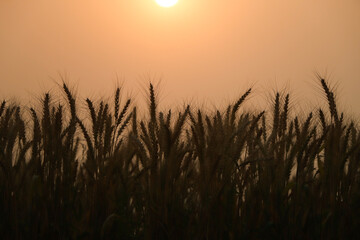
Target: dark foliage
{"x": 189, "y": 175}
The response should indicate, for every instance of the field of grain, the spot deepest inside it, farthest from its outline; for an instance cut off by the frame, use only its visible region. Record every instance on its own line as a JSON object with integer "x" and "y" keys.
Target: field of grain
{"x": 226, "y": 174}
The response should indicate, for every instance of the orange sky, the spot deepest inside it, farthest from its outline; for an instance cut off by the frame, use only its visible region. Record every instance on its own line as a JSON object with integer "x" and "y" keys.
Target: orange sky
{"x": 202, "y": 49}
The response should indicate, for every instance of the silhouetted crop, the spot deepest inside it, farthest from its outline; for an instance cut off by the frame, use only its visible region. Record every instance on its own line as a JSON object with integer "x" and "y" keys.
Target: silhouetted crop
{"x": 187, "y": 175}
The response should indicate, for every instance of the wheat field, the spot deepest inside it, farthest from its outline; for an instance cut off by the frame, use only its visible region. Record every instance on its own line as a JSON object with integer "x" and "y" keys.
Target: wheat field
{"x": 188, "y": 174}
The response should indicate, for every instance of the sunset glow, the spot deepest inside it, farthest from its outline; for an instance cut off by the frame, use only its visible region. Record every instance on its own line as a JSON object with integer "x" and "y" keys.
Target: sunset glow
{"x": 179, "y": 119}
{"x": 166, "y": 3}
{"x": 208, "y": 50}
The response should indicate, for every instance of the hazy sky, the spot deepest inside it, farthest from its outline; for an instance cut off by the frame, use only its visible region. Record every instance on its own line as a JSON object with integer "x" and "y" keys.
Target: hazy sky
{"x": 203, "y": 49}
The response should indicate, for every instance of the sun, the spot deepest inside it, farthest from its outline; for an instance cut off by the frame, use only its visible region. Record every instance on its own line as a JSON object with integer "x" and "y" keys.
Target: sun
{"x": 166, "y": 3}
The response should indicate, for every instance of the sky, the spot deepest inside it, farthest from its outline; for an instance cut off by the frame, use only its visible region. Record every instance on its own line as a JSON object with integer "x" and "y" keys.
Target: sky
{"x": 209, "y": 51}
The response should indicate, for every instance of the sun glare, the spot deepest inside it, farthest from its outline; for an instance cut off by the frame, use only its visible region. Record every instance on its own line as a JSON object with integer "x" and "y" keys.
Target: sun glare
{"x": 166, "y": 3}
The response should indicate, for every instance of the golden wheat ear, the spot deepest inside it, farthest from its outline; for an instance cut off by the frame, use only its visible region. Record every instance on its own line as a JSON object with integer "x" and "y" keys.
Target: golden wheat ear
{"x": 2, "y": 107}
{"x": 331, "y": 101}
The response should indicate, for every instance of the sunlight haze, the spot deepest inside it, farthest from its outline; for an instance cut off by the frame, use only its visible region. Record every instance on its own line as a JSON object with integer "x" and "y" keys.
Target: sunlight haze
{"x": 205, "y": 50}
{"x": 166, "y": 3}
